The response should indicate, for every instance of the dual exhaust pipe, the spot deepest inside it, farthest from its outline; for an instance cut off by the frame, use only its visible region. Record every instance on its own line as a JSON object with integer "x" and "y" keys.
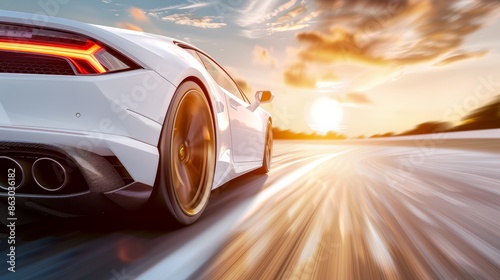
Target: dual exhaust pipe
{"x": 47, "y": 173}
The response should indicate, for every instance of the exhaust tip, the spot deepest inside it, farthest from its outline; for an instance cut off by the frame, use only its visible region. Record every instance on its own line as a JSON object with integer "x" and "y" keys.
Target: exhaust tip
{"x": 49, "y": 174}
{"x": 11, "y": 173}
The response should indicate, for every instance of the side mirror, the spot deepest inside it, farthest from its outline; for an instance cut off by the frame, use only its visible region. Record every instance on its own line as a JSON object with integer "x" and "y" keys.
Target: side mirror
{"x": 264, "y": 96}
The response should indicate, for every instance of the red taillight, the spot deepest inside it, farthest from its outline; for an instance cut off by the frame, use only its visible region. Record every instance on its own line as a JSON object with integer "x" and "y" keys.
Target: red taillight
{"x": 86, "y": 55}
{"x": 75, "y": 54}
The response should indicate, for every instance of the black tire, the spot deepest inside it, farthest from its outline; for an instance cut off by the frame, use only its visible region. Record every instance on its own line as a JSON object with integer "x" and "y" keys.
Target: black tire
{"x": 268, "y": 151}
{"x": 187, "y": 155}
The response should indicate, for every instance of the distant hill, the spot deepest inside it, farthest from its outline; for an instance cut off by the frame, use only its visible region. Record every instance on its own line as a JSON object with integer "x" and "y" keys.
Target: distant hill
{"x": 428, "y": 127}
{"x": 486, "y": 117}
{"x": 288, "y": 134}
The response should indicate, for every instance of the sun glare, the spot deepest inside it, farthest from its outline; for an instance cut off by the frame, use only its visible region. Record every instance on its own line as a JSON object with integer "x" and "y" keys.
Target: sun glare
{"x": 324, "y": 114}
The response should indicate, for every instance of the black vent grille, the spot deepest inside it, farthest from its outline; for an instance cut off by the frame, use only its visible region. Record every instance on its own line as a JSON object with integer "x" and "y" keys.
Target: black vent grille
{"x": 118, "y": 166}
{"x": 21, "y": 63}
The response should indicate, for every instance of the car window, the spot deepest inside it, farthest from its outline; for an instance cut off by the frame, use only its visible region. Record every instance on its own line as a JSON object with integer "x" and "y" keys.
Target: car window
{"x": 194, "y": 54}
{"x": 221, "y": 77}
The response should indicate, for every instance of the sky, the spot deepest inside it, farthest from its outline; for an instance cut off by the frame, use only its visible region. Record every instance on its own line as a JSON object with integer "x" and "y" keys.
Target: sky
{"x": 357, "y": 67}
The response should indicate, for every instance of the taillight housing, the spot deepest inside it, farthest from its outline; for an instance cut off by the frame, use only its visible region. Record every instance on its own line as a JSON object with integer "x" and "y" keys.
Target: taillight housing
{"x": 85, "y": 55}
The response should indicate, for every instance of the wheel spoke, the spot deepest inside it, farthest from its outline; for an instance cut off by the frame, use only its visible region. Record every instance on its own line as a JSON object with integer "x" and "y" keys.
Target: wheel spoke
{"x": 184, "y": 123}
{"x": 196, "y": 130}
{"x": 183, "y": 184}
{"x": 199, "y": 150}
{"x": 194, "y": 171}
{"x": 201, "y": 140}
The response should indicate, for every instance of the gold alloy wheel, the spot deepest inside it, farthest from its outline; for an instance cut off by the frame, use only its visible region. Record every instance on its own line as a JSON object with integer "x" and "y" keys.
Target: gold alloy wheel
{"x": 269, "y": 148}
{"x": 193, "y": 153}
{"x": 268, "y": 151}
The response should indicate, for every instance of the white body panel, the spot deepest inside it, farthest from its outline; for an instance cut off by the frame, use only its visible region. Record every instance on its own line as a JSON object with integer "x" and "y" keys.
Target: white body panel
{"x": 122, "y": 114}
{"x": 246, "y": 131}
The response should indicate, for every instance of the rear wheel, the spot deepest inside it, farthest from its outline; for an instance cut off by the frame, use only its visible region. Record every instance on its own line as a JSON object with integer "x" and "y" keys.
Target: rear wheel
{"x": 268, "y": 151}
{"x": 187, "y": 155}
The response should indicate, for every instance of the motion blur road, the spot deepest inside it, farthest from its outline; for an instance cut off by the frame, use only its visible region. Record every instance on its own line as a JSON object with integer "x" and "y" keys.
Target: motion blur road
{"x": 345, "y": 210}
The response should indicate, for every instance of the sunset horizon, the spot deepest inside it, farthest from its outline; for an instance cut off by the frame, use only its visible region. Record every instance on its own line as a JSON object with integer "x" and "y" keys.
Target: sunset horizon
{"x": 381, "y": 65}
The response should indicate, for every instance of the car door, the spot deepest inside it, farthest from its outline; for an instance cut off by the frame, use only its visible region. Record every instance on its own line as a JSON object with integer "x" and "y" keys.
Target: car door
{"x": 246, "y": 126}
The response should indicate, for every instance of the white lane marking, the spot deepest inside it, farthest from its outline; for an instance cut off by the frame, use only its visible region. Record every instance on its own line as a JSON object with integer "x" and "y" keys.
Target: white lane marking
{"x": 186, "y": 260}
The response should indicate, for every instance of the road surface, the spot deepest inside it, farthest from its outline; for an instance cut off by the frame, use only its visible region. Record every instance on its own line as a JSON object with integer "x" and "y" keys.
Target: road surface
{"x": 344, "y": 210}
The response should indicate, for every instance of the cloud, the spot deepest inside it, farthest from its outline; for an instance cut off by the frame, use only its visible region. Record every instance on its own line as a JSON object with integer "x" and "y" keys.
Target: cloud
{"x": 297, "y": 76}
{"x": 356, "y": 99}
{"x": 192, "y": 5}
{"x": 329, "y": 77}
{"x": 264, "y": 57}
{"x": 293, "y": 20}
{"x": 267, "y": 17}
{"x": 461, "y": 56}
{"x": 189, "y": 8}
{"x": 255, "y": 12}
{"x": 185, "y": 19}
{"x": 138, "y": 14}
{"x": 336, "y": 46}
{"x": 287, "y": 27}
{"x": 293, "y": 13}
{"x": 128, "y": 25}
{"x": 390, "y": 33}
{"x": 286, "y": 6}
{"x": 196, "y": 5}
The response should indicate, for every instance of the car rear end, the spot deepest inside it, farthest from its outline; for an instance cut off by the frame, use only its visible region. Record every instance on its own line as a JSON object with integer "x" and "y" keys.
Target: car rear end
{"x": 80, "y": 118}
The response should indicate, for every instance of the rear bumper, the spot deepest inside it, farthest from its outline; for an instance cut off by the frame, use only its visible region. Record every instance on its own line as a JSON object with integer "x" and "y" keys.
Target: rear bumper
{"x": 138, "y": 158}
{"x": 86, "y": 183}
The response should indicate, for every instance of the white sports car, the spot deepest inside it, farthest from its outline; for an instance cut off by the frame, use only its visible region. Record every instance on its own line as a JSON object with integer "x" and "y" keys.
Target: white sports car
{"x": 95, "y": 119}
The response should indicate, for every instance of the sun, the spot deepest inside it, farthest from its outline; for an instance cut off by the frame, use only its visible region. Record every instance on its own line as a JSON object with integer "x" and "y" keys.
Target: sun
{"x": 324, "y": 114}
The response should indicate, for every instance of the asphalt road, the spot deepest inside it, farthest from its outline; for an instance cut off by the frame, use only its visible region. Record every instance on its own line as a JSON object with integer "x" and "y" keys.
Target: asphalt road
{"x": 326, "y": 211}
